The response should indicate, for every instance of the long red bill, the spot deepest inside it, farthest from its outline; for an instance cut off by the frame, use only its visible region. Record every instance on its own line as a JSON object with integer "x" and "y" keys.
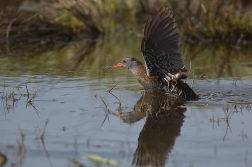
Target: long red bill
{"x": 116, "y": 66}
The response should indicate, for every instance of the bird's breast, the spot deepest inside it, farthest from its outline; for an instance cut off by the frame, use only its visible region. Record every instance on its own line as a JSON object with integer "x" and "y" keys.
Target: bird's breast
{"x": 149, "y": 83}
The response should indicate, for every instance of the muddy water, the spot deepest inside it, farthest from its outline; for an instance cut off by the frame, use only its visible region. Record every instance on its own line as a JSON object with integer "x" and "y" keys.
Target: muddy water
{"x": 56, "y": 108}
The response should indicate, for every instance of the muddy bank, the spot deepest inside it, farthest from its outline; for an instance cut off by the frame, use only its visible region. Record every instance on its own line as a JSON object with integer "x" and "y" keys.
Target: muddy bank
{"x": 39, "y": 22}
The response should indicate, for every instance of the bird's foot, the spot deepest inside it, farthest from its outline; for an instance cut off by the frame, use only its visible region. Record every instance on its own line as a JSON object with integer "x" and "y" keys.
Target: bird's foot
{"x": 177, "y": 76}
{"x": 167, "y": 79}
{"x": 170, "y": 77}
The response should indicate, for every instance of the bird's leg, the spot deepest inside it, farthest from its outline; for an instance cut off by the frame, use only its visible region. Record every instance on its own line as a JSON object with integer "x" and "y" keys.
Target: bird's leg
{"x": 173, "y": 86}
{"x": 175, "y": 78}
{"x": 172, "y": 78}
{"x": 167, "y": 79}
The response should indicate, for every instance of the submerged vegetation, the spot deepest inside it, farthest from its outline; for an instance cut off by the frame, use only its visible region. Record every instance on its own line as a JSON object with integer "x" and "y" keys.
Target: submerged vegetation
{"x": 49, "y": 21}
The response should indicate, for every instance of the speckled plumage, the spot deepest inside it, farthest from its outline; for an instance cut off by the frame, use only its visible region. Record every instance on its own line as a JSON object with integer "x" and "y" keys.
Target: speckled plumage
{"x": 164, "y": 69}
{"x": 160, "y": 45}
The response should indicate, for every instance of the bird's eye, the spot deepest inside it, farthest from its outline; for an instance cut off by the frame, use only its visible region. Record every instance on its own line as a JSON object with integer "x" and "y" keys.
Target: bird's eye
{"x": 124, "y": 61}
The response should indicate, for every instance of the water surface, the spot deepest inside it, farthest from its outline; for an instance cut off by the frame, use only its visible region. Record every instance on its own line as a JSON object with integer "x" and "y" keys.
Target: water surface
{"x": 68, "y": 87}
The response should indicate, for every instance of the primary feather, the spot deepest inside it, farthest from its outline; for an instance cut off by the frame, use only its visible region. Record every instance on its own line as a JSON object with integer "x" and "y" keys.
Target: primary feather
{"x": 161, "y": 44}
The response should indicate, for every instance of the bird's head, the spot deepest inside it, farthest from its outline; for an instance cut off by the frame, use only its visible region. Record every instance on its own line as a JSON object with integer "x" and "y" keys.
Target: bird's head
{"x": 129, "y": 62}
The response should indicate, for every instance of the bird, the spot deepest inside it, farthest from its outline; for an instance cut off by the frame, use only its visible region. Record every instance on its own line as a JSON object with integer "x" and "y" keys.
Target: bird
{"x": 163, "y": 70}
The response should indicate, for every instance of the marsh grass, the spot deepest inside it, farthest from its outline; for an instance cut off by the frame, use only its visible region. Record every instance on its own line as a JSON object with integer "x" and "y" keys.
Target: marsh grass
{"x": 219, "y": 21}
{"x": 18, "y": 151}
{"x": 32, "y": 29}
{"x": 44, "y": 23}
{"x": 11, "y": 98}
{"x": 62, "y": 20}
{"x": 199, "y": 20}
{"x": 228, "y": 112}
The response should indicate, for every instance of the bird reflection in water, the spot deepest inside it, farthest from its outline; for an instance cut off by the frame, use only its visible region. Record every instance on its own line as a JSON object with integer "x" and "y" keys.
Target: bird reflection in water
{"x": 164, "y": 119}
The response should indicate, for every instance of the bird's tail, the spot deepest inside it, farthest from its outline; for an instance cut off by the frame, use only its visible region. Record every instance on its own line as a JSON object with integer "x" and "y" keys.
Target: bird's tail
{"x": 185, "y": 91}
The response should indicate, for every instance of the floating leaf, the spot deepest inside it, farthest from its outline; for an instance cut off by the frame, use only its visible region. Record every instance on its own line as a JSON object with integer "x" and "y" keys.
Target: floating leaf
{"x": 101, "y": 160}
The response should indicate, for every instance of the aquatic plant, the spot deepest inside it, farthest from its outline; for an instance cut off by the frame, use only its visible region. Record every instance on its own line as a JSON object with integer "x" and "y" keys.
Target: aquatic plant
{"x": 219, "y": 21}
{"x": 63, "y": 20}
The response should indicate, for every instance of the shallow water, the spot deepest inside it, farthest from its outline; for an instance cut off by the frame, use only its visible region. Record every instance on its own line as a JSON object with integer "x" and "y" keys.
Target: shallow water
{"x": 69, "y": 88}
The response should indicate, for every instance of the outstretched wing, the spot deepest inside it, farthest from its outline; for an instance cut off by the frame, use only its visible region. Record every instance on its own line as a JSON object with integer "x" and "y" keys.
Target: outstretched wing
{"x": 160, "y": 45}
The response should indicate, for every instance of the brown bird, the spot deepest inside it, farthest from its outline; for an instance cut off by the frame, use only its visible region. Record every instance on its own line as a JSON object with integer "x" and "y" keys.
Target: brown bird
{"x": 164, "y": 71}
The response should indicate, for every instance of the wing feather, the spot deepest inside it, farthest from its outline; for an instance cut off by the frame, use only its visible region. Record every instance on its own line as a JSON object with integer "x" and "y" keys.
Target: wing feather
{"x": 161, "y": 44}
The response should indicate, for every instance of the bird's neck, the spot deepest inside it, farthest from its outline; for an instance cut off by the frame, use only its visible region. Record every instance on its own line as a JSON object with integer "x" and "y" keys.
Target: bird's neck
{"x": 141, "y": 73}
